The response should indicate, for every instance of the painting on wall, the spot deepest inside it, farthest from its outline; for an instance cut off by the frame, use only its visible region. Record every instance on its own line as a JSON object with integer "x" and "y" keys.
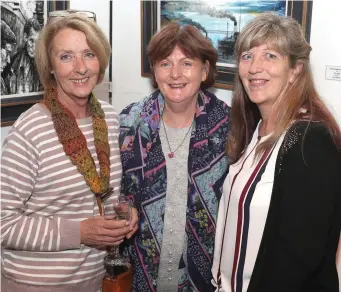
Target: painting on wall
{"x": 219, "y": 21}
{"x": 21, "y": 23}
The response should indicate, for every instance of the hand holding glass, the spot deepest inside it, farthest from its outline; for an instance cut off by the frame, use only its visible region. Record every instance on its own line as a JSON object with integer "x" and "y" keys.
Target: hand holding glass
{"x": 118, "y": 208}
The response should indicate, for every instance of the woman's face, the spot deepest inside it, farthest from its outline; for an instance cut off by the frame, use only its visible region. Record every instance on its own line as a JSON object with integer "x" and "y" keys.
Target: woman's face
{"x": 75, "y": 66}
{"x": 179, "y": 77}
{"x": 265, "y": 74}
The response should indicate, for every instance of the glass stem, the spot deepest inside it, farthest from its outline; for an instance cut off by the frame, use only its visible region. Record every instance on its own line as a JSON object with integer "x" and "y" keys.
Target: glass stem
{"x": 115, "y": 251}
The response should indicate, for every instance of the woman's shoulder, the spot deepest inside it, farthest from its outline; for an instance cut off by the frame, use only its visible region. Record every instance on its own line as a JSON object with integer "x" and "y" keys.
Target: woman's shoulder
{"x": 310, "y": 139}
{"x": 213, "y": 104}
{"x": 109, "y": 110}
{"x": 211, "y": 98}
{"x": 37, "y": 114}
{"x": 31, "y": 124}
{"x": 311, "y": 131}
{"x": 309, "y": 127}
{"x": 132, "y": 112}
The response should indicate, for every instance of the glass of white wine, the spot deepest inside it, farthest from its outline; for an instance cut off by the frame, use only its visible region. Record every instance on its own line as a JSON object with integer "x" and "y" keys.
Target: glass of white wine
{"x": 116, "y": 208}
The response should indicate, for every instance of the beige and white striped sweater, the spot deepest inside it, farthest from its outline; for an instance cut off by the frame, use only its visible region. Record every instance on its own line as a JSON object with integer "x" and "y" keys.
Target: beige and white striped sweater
{"x": 43, "y": 200}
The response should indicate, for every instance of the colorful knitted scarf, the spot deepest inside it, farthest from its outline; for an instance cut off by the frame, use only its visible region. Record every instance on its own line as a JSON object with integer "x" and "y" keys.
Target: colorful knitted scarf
{"x": 74, "y": 142}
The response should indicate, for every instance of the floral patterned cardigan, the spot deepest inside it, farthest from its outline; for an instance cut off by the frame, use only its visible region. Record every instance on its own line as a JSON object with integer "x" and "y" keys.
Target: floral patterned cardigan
{"x": 145, "y": 179}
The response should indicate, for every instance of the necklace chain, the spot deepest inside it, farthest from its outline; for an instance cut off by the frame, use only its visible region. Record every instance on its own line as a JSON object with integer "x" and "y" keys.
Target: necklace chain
{"x": 171, "y": 153}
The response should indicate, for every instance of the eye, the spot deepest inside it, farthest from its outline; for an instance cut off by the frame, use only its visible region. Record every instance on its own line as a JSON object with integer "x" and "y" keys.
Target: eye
{"x": 66, "y": 58}
{"x": 165, "y": 65}
{"x": 89, "y": 55}
{"x": 271, "y": 56}
{"x": 187, "y": 64}
{"x": 246, "y": 56}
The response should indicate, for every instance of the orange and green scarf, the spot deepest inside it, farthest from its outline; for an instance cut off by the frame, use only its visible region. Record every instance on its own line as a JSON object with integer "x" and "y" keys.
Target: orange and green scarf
{"x": 74, "y": 142}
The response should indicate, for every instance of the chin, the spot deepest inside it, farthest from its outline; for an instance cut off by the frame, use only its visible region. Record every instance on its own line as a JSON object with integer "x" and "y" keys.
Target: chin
{"x": 81, "y": 95}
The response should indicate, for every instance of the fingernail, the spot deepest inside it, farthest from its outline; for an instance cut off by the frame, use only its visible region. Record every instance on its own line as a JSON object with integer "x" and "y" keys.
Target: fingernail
{"x": 127, "y": 223}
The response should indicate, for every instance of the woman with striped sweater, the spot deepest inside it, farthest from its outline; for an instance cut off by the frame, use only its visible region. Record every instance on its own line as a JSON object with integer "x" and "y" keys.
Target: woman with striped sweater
{"x": 59, "y": 155}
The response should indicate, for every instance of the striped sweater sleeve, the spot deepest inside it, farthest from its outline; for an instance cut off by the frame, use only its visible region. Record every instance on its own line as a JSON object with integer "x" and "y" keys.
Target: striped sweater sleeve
{"x": 21, "y": 230}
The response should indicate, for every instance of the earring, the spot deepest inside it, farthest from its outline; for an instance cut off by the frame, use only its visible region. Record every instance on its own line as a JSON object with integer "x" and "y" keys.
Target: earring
{"x": 52, "y": 72}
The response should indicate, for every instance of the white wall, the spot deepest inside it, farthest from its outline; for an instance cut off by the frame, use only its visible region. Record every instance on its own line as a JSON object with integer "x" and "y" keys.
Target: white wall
{"x": 129, "y": 86}
{"x": 326, "y": 43}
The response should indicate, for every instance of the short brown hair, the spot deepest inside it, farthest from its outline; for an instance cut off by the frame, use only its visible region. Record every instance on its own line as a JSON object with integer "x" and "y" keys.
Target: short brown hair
{"x": 191, "y": 42}
{"x": 95, "y": 37}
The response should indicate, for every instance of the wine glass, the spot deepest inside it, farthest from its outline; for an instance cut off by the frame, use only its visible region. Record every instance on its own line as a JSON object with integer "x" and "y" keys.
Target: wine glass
{"x": 116, "y": 208}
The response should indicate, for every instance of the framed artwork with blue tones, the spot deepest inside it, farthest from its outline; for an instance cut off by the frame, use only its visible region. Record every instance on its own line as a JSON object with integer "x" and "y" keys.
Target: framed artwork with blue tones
{"x": 218, "y": 20}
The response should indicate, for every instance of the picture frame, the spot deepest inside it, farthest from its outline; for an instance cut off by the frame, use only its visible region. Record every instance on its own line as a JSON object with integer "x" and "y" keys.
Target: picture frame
{"x": 150, "y": 19}
{"x": 13, "y": 104}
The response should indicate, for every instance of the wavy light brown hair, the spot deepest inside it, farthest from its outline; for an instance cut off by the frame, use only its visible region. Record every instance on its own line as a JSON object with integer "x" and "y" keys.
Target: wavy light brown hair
{"x": 284, "y": 35}
{"x": 95, "y": 37}
{"x": 191, "y": 42}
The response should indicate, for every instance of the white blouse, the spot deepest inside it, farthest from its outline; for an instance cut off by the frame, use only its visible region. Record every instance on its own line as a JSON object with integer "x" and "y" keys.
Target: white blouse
{"x": 246, "y": 197}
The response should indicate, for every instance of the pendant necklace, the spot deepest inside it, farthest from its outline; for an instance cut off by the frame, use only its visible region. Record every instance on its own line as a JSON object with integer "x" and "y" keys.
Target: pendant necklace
{"x": 172, "y": 153}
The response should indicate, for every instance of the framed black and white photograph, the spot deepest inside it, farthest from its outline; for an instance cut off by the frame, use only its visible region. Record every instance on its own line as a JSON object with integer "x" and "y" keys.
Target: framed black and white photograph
{"x": 220, "y": 21}
{"x": 21, "y": 23}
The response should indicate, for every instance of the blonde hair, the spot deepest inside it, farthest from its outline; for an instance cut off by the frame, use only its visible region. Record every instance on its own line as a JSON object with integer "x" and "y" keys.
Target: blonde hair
{"x": 95, "y": 37}
{"x": 284, "y": 35}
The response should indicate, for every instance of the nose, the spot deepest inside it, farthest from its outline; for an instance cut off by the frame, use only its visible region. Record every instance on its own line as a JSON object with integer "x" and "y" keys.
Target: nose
{"x": 256, "y": 66}
{"x": 8, "y": 59}
{"x": 80, "y": 65}
{"x": 175, "y": 71}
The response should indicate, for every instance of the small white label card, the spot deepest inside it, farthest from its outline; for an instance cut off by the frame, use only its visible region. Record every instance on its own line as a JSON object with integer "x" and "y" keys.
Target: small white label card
{"x": 333, "y": 73}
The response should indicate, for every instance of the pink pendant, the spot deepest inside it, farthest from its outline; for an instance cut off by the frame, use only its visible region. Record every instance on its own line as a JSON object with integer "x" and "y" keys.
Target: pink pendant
{"x": 171, "y": 155}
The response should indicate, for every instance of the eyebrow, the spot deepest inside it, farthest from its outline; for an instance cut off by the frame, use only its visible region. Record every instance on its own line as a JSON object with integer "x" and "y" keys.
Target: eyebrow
{"x": 65, "y": 51}
{"x": 71, "y": 51}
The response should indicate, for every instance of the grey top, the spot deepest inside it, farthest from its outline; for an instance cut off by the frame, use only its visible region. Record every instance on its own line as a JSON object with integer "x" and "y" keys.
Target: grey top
{"x": 176, "y": 205}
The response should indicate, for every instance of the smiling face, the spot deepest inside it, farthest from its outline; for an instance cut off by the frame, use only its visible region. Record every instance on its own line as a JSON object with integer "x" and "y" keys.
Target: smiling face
{"x": 74, "y": 65}
{"x": 265, "y": 74}
{"x": 179, "y": 77}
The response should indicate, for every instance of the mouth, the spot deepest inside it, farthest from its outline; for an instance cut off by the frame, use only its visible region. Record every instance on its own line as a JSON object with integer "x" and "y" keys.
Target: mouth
{"x": 80, "y": 81}
{"x": 258, "y": 82}
{"x": 177, "y": 86}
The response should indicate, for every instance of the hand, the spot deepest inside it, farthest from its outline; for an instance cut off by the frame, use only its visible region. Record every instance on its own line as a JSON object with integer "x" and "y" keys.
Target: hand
{"x": 96, "y": 231}
{"x": 133, "y": 223}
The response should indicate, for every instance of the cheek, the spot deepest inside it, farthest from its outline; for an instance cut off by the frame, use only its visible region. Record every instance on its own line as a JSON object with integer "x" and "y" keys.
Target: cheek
{"x": 242, "y": 71}
{"x": 62, "y": 70}
{"x": 94, "y": 66}
{"x": 159, "y": 78}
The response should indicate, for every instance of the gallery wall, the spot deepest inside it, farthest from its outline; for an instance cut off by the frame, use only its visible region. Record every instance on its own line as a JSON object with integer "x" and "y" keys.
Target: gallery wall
{"x": 128, "y": 85}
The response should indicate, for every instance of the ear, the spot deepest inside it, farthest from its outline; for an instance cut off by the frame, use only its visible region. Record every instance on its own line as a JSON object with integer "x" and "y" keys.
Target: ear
{"x": 205, "y": 70}
{"x": 295, "y": 72}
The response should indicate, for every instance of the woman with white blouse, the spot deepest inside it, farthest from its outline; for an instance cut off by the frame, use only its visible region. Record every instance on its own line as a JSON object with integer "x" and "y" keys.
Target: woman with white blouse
{"x": 279, "y": 217}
